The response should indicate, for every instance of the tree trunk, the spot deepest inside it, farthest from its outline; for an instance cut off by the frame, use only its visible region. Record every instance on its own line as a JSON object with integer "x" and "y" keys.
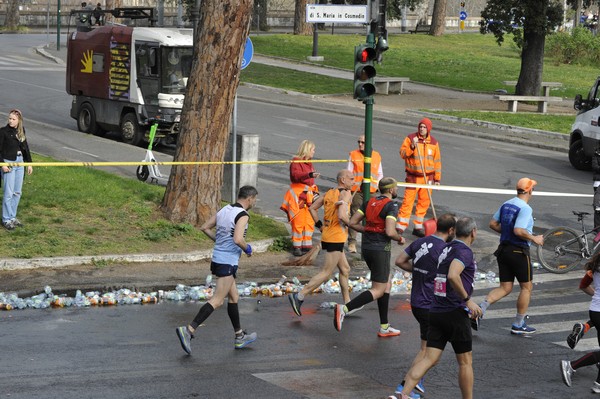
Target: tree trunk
{"x": 438, "y": 18}
{"x": 532, "y": 64}
{"x": 193, "y": 193}
{"x": 12, "y": 15}
{"x": 300, "y": 25}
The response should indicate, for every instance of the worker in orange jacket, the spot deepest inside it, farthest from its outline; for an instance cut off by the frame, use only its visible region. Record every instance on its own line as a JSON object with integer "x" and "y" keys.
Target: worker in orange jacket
{"x": 423, "y": 165}
{"x": 356, "y": 165}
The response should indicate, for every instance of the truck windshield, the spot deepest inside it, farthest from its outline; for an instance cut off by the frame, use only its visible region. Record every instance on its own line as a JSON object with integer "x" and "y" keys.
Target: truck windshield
{"x": 176, "y": 64}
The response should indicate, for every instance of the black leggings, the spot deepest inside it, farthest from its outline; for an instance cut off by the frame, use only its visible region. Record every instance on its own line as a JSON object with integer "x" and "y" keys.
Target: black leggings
{"x": 590, "y": 358}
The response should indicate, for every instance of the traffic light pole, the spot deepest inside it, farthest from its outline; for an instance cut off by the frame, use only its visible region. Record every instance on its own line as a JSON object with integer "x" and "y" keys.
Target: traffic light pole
{"x": 369, "y": 101}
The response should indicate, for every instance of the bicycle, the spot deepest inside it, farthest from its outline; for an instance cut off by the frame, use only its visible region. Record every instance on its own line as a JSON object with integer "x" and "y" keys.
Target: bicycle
{"x": 564, "y": 248}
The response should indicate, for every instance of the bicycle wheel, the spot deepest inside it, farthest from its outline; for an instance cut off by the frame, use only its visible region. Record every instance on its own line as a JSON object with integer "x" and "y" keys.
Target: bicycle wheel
{"x": 562, "y": 250}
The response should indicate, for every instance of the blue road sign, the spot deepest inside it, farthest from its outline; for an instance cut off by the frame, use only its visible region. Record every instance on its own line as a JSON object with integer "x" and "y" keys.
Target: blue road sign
{"x": 248, "y": 53}
{"x": 462, "y": 15}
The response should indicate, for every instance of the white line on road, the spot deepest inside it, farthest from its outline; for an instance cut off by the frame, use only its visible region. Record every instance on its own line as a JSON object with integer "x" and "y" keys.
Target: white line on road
{"x": 81, "y": 152}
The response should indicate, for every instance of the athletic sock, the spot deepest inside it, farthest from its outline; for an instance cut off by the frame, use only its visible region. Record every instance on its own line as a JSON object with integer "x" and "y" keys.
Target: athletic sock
{"x": 484, "y": 305}
{"x": 385, "y": 326}
{"x": 586, "y": 327}
{"x": 202, "y": 315}
{"x": 519, "y": 320}
{"x": 382, "y": 305}
{"x": 361, "y": 300}
{"x": 234, "y": 315}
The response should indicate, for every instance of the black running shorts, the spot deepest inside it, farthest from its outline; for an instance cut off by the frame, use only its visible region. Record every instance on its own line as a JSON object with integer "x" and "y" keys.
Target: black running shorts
{"x": 332, "y": 246}
{"x": 453, "y": 327}
{"x": 223, "y": 270}
{"x": 514, "y": 262}
{"x": 378, "y": 262}
{"x": 422, "y": 316}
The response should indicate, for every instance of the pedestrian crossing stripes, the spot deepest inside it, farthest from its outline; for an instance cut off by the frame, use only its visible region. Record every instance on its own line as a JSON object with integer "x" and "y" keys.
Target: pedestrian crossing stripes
{"x": 22, "y": 63}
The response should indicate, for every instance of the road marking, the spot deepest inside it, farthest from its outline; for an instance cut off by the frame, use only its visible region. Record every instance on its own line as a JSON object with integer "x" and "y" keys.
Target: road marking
{"x": 562, "y": 309}
{"x": 81, "y": 152}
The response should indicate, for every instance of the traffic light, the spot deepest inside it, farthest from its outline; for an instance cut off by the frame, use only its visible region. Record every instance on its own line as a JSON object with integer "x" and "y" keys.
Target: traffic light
{"x": 364, "y": 71}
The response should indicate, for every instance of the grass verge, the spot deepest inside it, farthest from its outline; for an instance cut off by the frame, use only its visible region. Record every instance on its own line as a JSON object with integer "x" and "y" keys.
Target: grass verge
{"x": 74, "y": 211}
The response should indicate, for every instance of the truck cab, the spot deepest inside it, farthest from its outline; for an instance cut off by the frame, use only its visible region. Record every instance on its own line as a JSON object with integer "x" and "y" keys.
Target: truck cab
{"x": 585, "y": 132}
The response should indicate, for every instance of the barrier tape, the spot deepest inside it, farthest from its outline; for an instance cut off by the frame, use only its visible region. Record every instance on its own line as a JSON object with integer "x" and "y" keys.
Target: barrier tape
{"x": 165, "y": 163}
{"x": 482, "y": 190}
{"x": 464, "y": 189}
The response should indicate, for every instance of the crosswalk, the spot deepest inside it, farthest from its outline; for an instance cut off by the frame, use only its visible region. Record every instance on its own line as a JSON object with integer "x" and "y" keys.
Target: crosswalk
{"x": 28, "y": 63}
{"x": 556, "y": 305}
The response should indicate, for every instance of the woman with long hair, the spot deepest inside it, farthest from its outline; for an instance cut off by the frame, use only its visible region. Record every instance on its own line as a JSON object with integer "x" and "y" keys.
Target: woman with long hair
{"x": 300, "y": 196}
{"x": 13, "y": 148}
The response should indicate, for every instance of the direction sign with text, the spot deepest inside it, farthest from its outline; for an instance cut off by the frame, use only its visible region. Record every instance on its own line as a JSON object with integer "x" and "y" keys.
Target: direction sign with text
{"x": 316, "y": 13}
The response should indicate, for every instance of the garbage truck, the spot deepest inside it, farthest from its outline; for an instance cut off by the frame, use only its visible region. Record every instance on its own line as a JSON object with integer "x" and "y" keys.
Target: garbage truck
{"x": 585, "y": 132}
{"x": 125, "y": 79}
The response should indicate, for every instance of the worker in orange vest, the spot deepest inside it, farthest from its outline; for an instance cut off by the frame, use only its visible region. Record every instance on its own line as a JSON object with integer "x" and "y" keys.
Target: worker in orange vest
{"x": 356, "y": 165}
{"x": 422, "y": 158}
{"x": 296, "y": 201}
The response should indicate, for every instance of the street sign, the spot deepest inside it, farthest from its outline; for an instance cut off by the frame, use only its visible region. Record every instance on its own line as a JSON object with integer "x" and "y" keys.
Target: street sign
{"x": 462, "y": 15}
{"x": 248, "y": 53}
{"x": 317, "y": 13}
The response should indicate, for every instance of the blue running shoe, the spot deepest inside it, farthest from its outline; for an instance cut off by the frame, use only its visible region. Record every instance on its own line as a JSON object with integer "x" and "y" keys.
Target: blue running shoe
{"x": 412, "y": 395}
{"x": 420, "y": 388}
{"x": 523, "y": 330}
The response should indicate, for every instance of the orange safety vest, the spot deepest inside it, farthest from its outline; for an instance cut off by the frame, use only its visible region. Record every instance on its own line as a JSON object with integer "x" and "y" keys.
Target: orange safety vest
{"x": 375, "y": 224}
{"x": 357, "y": 159}
{"x": 429, "y": 151}
{"x": 298, "y": 197}
{"x": 333, "y": 230}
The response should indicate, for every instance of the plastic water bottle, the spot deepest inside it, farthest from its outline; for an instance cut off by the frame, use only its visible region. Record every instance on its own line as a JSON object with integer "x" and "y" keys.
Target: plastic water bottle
{"x": 491, "y": 276}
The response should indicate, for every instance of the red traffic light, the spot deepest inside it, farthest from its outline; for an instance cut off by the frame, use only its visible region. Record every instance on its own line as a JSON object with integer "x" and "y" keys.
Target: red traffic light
{"x": 366, "y": 54}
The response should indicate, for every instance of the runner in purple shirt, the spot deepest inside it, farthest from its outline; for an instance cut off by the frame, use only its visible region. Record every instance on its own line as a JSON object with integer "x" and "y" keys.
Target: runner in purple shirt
{"x": 421, "y": 258}
{"x": 448, "y": 319}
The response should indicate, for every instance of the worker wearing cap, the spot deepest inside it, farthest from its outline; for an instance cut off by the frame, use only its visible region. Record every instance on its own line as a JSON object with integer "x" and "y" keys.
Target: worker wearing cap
{"x": 423, "y": 165}
{"x": 356, "y": 165}
{"x": 514, "y": 221}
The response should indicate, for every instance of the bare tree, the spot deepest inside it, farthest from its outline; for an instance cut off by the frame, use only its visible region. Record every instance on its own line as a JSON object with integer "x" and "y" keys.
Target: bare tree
{"x": 301, "y": 27}
{"x": 194, "y": 192}
{"x": 12, "y": 15}
{"x": 438, "y": 18}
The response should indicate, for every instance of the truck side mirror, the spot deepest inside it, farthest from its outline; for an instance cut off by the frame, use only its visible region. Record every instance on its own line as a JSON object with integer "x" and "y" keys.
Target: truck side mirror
{"x": 577, "y": 104}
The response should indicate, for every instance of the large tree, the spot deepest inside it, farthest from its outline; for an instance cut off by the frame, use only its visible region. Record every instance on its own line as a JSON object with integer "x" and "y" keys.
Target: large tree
{"x": 301, "y": 27}
{"x": 193, "y": 193}
{"x": 529, "y": 21}
{"x": 12, "y": 15}
{"x": 438, "y": 18}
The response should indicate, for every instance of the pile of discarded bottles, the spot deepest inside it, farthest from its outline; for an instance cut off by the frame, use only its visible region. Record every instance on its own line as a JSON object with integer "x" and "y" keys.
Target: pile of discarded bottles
{"x": 401, "y": 283}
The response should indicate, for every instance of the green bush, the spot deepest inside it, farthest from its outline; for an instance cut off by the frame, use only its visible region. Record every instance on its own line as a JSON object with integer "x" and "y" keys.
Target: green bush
{"x": 579, "y": 47}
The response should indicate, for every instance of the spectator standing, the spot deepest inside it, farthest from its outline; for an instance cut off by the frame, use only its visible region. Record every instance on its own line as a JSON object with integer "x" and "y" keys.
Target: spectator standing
{"x": 356, "y": 165}
{"x": 423, "y": 165}
{"x": 13, "y": 148}
{"x": 98, "y": 15}
{"x": 300, "y": 196}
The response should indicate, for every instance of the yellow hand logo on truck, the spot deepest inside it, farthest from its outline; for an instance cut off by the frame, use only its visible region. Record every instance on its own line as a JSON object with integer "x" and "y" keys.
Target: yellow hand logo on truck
{"x": 87, "y": 61}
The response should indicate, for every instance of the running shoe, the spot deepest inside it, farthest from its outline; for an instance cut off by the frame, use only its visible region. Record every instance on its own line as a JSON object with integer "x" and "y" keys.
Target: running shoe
{"x": 245, "y": 339}
{"x": 596, "y": 387}
{"x": 412, "y": 395}
{"x": 388, "y": 332}
{"x": 351, "y": 312}
{"x": 575, "y": 335}
{"x": 420, "y": 388}
{"x": 296, "y": 303}
{"x": 184, "y": 338}
{"x": 338, "y": 317}
{"x": 566, "y": 371}
{"x": 524, "y": 329}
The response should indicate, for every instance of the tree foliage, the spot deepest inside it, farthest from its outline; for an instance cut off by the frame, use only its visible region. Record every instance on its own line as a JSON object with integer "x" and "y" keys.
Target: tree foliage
{"x": 12, "y": 15}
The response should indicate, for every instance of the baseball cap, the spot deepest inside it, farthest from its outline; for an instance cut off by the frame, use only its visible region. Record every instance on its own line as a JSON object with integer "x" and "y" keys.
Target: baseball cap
{"x": 525, "y": 184}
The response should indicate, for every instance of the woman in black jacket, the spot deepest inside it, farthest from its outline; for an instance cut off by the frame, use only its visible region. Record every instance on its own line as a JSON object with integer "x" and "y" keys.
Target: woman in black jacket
{"x": 13, "y": 148}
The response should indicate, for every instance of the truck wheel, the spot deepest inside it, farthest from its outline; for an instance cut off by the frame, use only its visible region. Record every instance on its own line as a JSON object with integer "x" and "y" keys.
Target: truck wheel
{"x": 577, "y": 156}
{"x": 130, "y": 130}
{"x": 86, "y": 120}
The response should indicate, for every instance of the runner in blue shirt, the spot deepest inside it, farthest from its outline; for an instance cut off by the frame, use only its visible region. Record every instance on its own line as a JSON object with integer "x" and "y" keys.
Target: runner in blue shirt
{"x": 450, "y": 310}
{"x": 514, "y": 221}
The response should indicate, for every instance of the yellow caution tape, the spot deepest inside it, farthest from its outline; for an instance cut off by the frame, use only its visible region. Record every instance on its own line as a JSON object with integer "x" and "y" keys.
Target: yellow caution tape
{"x": 482, "y": 190}
{"x": 146, "y": 163}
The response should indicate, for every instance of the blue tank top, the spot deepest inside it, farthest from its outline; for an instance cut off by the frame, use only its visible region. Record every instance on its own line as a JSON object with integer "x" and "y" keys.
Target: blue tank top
{"x": 226, "y": 250}
{"x": 514, "y": 213}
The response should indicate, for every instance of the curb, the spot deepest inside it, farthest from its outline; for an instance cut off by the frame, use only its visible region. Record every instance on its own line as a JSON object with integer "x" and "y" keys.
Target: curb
{"x": 36, "y": 263}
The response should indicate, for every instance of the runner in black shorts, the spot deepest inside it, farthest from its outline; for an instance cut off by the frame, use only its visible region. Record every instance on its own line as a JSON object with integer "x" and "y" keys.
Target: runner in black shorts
{"x": 421, "y": 258}
{"x": 450, "y": 310}
{"x": 378, "y": 232}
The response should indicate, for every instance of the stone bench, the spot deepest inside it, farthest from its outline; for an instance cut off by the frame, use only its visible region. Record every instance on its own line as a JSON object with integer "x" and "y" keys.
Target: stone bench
{"x": 420, "y": 28}
{"x": 513, "y": 101}
{"x": 546, "y": 86}
{"x": 389, "y": 85}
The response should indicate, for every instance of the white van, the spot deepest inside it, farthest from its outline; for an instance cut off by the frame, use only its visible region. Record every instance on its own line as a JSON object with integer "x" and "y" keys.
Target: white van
{"x": 585, "y": 132}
